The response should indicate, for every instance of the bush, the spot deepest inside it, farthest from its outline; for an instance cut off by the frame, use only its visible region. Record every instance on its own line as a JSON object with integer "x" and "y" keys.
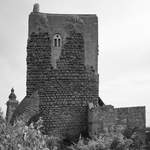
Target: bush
{"x": 22, "y": 137}
{"x": 113, "y": 140}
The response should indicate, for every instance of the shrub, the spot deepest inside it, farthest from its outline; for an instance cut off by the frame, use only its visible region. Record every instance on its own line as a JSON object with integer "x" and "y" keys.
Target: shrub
{"x": 112, "y": 140}
{"x": 22, "y": 137}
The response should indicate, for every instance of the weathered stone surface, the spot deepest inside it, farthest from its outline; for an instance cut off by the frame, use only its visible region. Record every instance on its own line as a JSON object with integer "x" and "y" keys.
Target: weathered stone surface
{"x": 66, "y": 88}
{"x": 62, "y": 23}
{"x": 107, "y": 117}
{"x": 38, "y": 60}
{"x": 132, "y": 116}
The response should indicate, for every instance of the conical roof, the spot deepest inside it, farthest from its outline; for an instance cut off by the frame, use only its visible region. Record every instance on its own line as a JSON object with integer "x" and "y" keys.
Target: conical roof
{"x": 12, "y": 95}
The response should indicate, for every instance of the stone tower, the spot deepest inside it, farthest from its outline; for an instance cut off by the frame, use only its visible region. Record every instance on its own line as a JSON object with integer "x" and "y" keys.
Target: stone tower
{"x": 62, "y": 62}
{"x": 12, "y": 103}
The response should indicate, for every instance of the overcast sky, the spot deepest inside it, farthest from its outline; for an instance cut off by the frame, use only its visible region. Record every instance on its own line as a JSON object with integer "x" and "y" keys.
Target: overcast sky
{"x": 124, "y": 47}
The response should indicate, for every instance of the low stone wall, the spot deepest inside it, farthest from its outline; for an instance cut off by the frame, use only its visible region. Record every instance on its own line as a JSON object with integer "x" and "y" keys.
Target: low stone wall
{"x": 107, "y": 117}
{"x": 131, "y": 116}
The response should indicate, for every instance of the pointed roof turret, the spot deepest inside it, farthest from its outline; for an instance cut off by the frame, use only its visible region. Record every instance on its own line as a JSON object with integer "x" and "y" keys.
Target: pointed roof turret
{"x": 12, "y": 104}
{"x": 36, "y": 7}
{"x": 12, "y": 95}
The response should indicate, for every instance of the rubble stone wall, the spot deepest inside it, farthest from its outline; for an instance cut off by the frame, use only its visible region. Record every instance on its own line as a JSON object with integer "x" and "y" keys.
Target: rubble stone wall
{"x": 38, "y": 61}
{"x": 132, "y": 116}
{"x": 107, "y": 117}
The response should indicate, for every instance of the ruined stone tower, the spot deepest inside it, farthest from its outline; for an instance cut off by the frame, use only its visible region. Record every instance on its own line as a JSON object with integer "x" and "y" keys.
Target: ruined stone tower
{"x": 62, "y": 79}
{"x": 12, "y": 104}
{"x": 62, "y": 64}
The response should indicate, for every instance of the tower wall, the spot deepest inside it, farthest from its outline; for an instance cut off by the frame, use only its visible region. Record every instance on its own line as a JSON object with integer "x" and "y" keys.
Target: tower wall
{"x": 66, "y": 88}
{"x": 57, "y": 23}
{"x": 38, "y": 60}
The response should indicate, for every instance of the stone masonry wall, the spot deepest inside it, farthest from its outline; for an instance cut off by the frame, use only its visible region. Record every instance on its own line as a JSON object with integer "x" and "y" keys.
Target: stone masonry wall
{"x": 65, "y": 91}
{"x": 64, "y": 103}
{"x": 55, "y": 23}
{"x": 132, "y": 116}
{"x": 70, "y": 87}
{"x": 107, "y": 117}
{"x": 38, "y": 60}
{"x": 101, "y": 118}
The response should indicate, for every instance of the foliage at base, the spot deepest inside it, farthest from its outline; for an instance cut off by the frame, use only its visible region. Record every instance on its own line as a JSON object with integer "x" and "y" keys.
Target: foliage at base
{"x": 22, "y": 137}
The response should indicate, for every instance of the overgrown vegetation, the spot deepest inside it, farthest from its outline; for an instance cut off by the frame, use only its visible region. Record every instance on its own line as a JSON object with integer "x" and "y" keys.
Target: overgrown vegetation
{"x": 114, "y": 140}
{"x": 22, "y": 137}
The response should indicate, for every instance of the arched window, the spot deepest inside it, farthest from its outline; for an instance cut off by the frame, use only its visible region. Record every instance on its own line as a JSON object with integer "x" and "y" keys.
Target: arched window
{"x": 57, "y": 40}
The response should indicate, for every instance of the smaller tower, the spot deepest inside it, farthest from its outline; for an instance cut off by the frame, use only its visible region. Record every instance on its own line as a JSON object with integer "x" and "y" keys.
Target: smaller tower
{"x": 36, "y": 8}
{"x": 12, "y": 103}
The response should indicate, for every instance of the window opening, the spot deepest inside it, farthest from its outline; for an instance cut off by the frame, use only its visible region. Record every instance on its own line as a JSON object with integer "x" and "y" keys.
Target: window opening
{"x": 57, "y": 40}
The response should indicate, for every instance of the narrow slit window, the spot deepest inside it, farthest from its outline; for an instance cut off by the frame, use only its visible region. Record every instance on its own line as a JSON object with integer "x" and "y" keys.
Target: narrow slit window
{"x": 55, "y": 42}
{"x": 58, "y": 42}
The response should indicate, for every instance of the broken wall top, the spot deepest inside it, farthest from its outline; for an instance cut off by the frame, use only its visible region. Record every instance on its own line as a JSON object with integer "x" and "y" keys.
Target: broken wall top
{"x": 63, "y": 23}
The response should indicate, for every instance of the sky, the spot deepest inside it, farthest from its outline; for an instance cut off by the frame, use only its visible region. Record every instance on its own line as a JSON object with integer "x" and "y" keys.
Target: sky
{"x": 124, "y": 47}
